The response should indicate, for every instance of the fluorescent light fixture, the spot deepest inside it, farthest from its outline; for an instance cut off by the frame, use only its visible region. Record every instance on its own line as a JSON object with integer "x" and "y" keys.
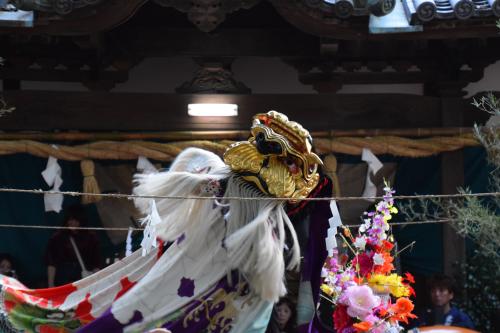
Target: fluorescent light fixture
{"x": 212, "y": 110}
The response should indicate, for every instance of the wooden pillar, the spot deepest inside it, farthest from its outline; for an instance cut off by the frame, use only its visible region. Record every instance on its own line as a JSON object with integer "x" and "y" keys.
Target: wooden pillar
{"x": 452, "y": 169}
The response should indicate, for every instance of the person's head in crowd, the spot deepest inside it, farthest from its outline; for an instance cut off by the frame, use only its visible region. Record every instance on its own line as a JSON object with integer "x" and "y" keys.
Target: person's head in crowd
{"x": 286, "y": 314}
{"x": 6, "y": 264}
{"x": 442, "y": 289}
{"x": 442, "y": 292}
{"x": 75, "y": 217}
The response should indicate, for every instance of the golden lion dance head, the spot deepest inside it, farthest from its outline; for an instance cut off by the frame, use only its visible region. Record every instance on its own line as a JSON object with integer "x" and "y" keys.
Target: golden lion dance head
{"x": 277, "y": 158}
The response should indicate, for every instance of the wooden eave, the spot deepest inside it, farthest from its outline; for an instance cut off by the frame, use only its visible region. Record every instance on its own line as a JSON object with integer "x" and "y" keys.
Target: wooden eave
{"x": 111, "y": 14}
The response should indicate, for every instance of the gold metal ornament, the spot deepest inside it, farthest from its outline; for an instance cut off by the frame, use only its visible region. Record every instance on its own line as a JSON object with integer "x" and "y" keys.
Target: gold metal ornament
{"x": 277, "y": 158}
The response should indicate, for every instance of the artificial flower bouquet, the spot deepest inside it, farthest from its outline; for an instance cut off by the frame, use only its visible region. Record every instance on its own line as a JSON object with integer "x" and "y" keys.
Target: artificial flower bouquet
{"x": 368, "y": 295}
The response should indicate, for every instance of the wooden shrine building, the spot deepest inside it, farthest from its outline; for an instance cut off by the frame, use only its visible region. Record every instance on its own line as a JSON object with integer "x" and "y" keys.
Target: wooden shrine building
{"x": 440, "y": 45}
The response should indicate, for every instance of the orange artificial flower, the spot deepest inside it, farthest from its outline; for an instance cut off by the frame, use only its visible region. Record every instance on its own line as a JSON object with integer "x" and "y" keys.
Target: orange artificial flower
{"x": 363, "y": 326}
{"x": 404, "y": 317}
{"x": 359, "y": 281}
{"x": 387, "y": 245}
{"x": 402, "y": 305}
{"x": 412, "y": 291}
{"x": 382, "y": 312}
{"x": 387, "y": 266}
{"x": 343, "y": 259}
{"x": 409, "y": 278}
{"x": 402, "y": 309}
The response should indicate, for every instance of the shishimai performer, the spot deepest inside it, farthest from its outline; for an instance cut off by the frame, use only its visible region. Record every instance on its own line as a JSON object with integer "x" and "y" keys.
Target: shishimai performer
{"x": 213, "y": 265}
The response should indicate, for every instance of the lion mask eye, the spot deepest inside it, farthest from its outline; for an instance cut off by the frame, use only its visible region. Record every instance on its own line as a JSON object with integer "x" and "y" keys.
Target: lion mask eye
{"x": 267, "y": 147}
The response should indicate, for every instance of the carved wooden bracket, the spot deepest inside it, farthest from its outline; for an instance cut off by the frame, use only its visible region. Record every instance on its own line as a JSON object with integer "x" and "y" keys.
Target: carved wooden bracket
{"x": 452, "y": 66}
{"x": 214, "y": 77}
{"x": 207, "y": 14}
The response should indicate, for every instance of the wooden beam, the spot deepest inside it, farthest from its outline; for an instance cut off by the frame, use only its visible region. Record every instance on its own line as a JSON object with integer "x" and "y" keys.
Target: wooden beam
{"x": 380, "y": 77}
{"x": 100, "y": 111}
{"x": 224, "y": 134}
{"x": 230, "y": 42}
{"x": 26, "y": 74}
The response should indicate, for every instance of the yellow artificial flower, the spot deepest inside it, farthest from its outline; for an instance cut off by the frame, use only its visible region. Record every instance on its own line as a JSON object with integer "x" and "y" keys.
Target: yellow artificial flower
{"x": 392, "y": 283}
{"x": 345, "y": 277}
{"x": 327, "y": 289}
{"x": 378, "y": 283}
{"x": 393, "y": 210}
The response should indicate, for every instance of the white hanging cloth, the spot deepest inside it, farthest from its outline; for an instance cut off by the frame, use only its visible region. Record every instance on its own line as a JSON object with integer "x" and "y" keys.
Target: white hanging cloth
{"x": 52, "y": 176}
{"x": 374, "y": 165}
{"x": 145, "y": 166}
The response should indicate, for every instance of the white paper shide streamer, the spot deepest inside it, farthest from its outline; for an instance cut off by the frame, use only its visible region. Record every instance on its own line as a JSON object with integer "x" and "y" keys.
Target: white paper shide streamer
{"x": 128, "y": 243}
{"x": 145, "y": 166}
{"x": 149, "y": 234}
{"x": 335, "y": 222}
{"x": 374, "y": 165}
{"x": 52, "y": 176}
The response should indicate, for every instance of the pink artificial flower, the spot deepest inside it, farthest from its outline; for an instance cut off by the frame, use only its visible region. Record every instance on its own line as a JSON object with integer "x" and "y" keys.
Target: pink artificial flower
{"x": 371, "y": 318}
{"x": 333, "y": 262}
{"x": 360, "y": 301}
{"x": 380, "y": 328}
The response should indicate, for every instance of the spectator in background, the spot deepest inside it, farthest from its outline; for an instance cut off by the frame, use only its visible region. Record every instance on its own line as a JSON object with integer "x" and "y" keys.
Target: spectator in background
{"x": 7, "y": 265}
{"x": 284, "y": 317}
{"x": 441, "y": 289}
{"x": 72, "y": 254}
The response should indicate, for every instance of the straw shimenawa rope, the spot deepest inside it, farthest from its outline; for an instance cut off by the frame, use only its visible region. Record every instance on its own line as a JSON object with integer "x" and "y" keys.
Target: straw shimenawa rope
{"x": 130, "y": 150}
{"x": 89, "y": 182}
{"x": 397, "y": 146}
{"x": 330, "y": 166}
